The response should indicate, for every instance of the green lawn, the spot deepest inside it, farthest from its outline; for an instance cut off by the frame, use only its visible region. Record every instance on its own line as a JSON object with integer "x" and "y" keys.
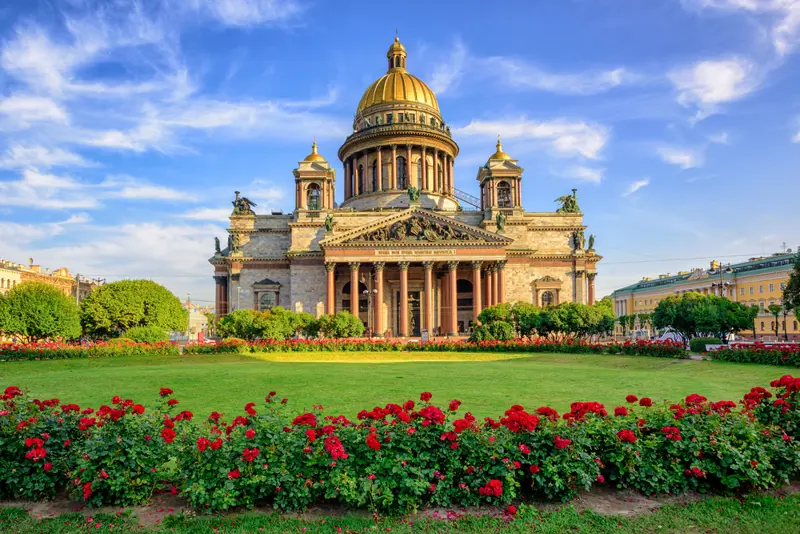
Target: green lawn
{"x": 754, "y": 515}
{"x": 348, "y": 382}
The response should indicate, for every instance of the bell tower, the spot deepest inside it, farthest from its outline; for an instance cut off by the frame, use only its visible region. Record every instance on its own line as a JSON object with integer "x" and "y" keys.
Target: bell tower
{"x": 500, "y": 182}
{"x": 315, "y": 183}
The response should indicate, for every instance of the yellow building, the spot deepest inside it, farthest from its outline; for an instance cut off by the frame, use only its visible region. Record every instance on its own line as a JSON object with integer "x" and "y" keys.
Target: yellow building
{"x": 756, "y": 282}
{"x": 12, "y": 274}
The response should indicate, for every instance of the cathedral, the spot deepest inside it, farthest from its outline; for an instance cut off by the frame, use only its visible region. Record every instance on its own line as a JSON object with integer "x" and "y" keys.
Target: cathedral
{"x": 405, "y": 251}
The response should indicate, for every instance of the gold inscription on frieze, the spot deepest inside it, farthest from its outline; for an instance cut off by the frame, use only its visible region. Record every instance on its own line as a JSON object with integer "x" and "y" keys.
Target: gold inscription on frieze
{"x": 417, "y": 252}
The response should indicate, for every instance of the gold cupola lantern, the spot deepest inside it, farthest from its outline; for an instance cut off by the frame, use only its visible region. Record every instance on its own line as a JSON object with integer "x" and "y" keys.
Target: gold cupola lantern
{"x": 314, "y": 156}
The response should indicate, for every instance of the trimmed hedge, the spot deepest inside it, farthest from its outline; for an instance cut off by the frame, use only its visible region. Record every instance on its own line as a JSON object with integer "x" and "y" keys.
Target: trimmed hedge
{"x": 398, "y": 458}
{"x": 62, "y": 351}
{"x": 147, "y": 334}
{"x": 788, "y": 355}
{"x": 698, "y": 344}
{"x": 662, "y": 349}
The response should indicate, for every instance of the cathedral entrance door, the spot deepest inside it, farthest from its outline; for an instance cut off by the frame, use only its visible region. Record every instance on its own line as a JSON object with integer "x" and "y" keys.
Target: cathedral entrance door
{"x": 414, "y": 312}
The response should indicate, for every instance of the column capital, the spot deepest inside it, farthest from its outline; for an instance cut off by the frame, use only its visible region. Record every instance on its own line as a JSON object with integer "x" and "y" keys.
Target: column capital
{"x": 428, "y": 265}
{"x": 591, "y": 276}
{"x": 500, "y": 264}
{"x": 379, "y": 265}
{"x": 476, "y": 265}
{"x": 354, "y": 265}
{"x": 452, "y": 265}
{"x": 330, "y": 266}
{"x": 394, "y": 147}
{"x": 403, "y": 265}
{"x": 579, "y": 274}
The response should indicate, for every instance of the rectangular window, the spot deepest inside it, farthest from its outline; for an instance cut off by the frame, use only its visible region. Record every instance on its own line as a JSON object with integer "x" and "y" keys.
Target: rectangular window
{"x": 771, "y": 288}
{"x": 752, "y": 290}
{"x": 741, "y": 291}
{"x": 783, "y": 286}
{"x": 761, "y": 288}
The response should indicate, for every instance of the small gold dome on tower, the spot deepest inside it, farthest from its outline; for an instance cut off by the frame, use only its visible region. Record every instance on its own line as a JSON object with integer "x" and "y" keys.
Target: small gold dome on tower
{"x": 397, "y": 85}
{"x": 314, "y": 156}
{"x": 499, "y": 154}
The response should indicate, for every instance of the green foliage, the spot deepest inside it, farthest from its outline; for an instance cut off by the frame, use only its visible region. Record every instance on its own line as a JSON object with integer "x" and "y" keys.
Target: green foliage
{"x": 791, "y": 294}
{"x": 494, "y": 331}
{"x": 775, "y": 310}
{"x": 698, "y": 344}
{"x": 567, "y": 320}
{"x": 786, "y": 355}
{"x": 277, "y": 324}
{"x": 339, "y": 326}
{"x": 147, "y": 334}
{"x": 693, "y": 314}
{"x": 239, "y": 324}
{"x": 113, "y": 308}
{"x": 498, "y": 312}
{"x": 35, "y": 311}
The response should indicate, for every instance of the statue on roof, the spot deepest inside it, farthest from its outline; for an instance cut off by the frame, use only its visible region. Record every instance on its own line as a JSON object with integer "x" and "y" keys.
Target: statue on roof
{"x": 243, "y": 205}
{"x": 569, "y": 203}
{"x": 329, "y": 223}
{"x": 500, "y": 220}
{"x": 413, "y": 194}
{"x": 591, "y": 242}
{"x": 216, "y": 246}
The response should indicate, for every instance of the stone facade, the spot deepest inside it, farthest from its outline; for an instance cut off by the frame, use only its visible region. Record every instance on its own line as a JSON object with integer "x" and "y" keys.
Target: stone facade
{"x": 405, "y": 249}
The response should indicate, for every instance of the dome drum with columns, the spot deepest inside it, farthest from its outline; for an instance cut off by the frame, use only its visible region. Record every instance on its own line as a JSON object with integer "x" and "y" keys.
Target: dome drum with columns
{"x": 401, "y": 251}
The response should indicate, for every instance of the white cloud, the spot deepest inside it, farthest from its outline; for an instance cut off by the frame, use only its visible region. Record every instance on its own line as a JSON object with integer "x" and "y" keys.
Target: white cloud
{"x": 519, "y": 74}
{"x": 245, "y": 13}
{"x": 685, "y": 158}
{"x": 208, "y": 214}
{"x": 635, "y": 186}
{"x": 21, "y": 110}
{"x": 720, "y": 138}
{"x": 796, "y": 138}
{"x": 449, "y": 71}
{"x": 566, "y": 137}
{"x": 584, "y": 174}
{"x": 783, "y": 17}
{"x": 36, "y": 190}
{"x": 130, "y": 188}
{"x": 20, "y": 156}
{"x": 708, "y": 84}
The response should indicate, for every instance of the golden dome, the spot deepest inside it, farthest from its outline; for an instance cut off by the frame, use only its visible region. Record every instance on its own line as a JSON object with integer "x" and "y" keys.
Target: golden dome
{"x": 314, "y": 156}
{"x": 397, "y": 85}
{"x": 499, "y": 154}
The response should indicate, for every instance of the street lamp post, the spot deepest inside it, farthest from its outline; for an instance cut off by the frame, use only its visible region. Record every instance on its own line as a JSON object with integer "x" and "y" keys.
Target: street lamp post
{"x": 723, "y": 285}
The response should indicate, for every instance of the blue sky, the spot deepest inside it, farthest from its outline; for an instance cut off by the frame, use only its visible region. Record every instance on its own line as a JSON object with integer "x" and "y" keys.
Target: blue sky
{"x": 126, "y": 126}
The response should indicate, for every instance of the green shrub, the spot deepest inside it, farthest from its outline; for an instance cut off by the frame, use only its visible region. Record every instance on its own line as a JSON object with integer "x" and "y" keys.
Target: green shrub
{"x": 120, "y": 342}
{"x": 147, "y": 334}
{"x": 494, "y": 331}
{"x": 339, "y": 326}
{"x": 698, "y": 344}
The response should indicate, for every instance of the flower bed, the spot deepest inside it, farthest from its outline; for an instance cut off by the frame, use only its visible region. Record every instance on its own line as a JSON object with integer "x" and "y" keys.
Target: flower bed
{"x": 788, "y": 354}
{"x": 396, "y": 458}
{"x": 99, "y": 349}
{"x": 664, "y": 349}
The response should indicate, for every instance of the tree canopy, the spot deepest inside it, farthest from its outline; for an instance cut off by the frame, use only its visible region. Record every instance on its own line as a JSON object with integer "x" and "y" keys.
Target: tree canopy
{"x": 570, "y": 319}
{"x": 694, "y": 314}
{"x": 791, "y": 294}
{"x": 34, "y": 311}
{"x": 113, "y": 308}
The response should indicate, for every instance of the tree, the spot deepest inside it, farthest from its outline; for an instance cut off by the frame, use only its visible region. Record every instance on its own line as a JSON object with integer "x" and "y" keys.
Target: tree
{"x": 791, "y": 293}
{"x": 35, "y": 311}
{"x": 239, "y": 324}
{"x": 342, "y": 325}
{"x": 775, "y": 310}
{"x": 736, "y": 317}
{"x": 645, "y": 320}
{"x": 754, "y": 311}
{"x": 113, "y": 308}
{"x": 211, "y": 318}
{"x": 681, "y": 314}
{"x": 786, "y": 307}
{"x": 623, "y": 323}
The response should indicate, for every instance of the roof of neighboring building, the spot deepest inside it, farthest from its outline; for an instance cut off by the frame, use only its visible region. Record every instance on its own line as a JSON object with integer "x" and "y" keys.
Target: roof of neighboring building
{"x": 775, "y": 262}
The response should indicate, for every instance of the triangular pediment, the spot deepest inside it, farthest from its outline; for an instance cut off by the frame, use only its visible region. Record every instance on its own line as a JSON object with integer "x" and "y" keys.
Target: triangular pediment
{"x": 413, "y": 227}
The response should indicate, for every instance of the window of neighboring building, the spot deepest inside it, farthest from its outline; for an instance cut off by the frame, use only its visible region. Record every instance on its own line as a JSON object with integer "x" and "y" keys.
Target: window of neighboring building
{"x": 794, "y": 326}
{"x": 761, "y": 305}
{"x": 762, "y": 326}
{"x": 547, "y": 299}
{"x": 741, "y": 291}
{"x": 752, "y": 290}
{"x": 783, "y": 286}
{"x": 314, "y": 197}
{"x": 267, "y": 301}
{"x": 761, "y": 288}
{"x": 771, "y": 288}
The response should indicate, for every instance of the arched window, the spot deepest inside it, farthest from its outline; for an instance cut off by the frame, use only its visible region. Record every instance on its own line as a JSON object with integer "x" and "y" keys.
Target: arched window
{"x": 547, "y": 299}
{"x": 362, "y": 297}
{"x": 504, "y": 195}
{"x": 314, "y": 197}
{"x": 402, "y": 178}
{"x": 375, "y": 175}
{"x": 267, "y": 301}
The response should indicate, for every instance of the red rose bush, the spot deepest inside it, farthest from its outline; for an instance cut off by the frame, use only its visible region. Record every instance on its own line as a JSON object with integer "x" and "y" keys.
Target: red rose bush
{"x": 399, "y": 457}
